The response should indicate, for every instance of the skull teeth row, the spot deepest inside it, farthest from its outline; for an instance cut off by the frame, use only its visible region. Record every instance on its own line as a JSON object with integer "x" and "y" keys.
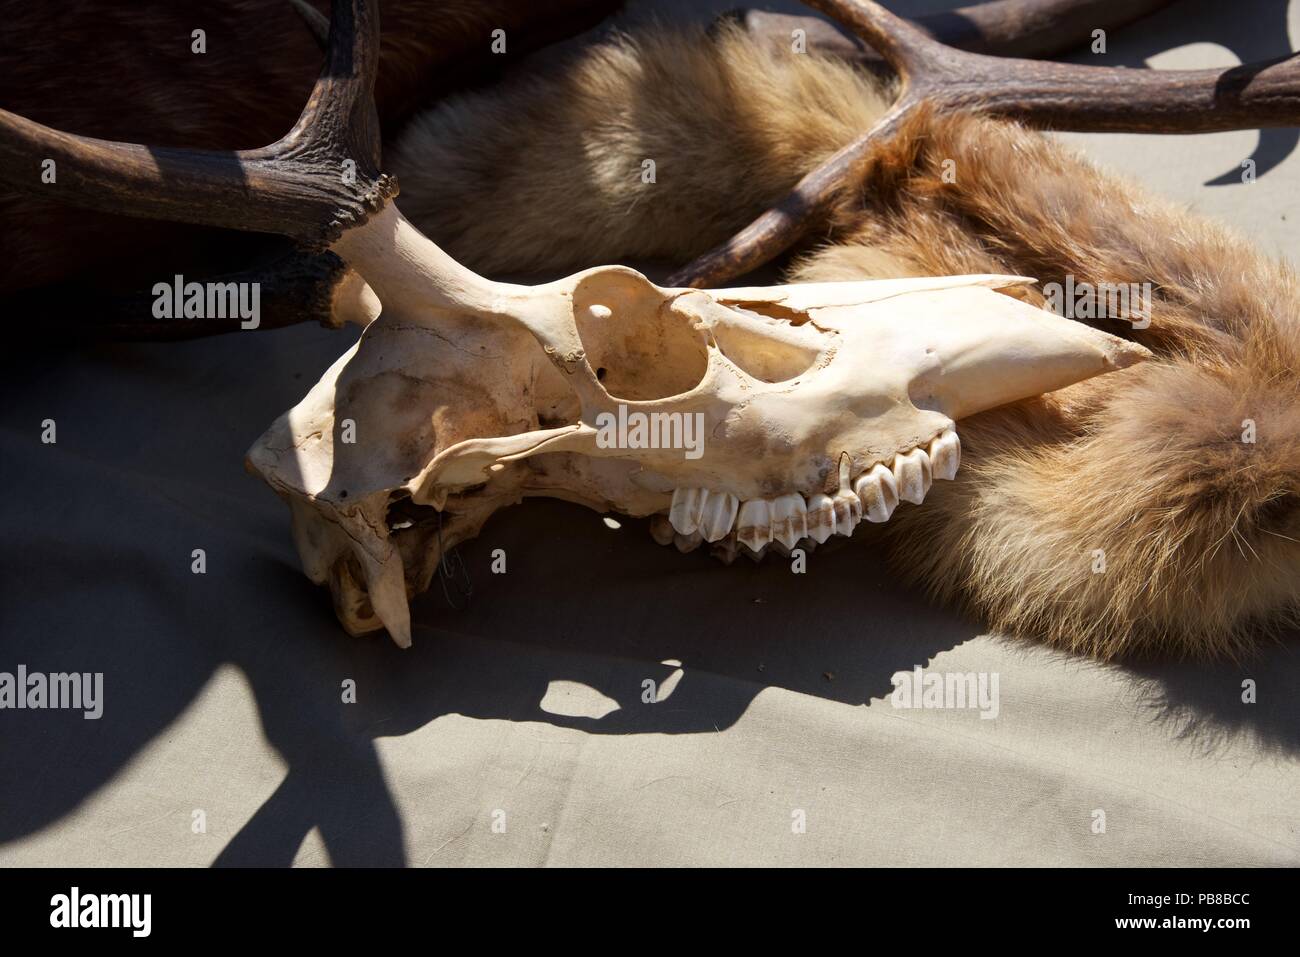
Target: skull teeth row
{"x": 699, "y": 515}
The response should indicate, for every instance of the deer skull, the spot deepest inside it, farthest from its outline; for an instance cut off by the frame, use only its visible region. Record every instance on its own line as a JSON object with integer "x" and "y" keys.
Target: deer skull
{"x": 745, "y": 416}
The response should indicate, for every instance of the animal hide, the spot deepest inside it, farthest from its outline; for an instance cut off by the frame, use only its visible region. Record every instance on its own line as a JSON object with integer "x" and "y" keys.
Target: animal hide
{"x": 1152, "y": 511}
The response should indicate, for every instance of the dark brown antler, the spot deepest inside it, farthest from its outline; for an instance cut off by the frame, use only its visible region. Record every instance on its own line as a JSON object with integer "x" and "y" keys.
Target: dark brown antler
{"x": 1042, "y": 94}
{"x": 1029, "y": 28}
{"x": 318, "y": 180}
{"x": 1032, "y": 28}
{"x": 318, "y": 185}
{"x": 295, "y": 286}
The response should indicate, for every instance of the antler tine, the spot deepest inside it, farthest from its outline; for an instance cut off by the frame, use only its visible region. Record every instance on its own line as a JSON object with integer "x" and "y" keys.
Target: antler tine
{"x": 295, "y": 187}
{"x": 317, "y": 22}
{"x": 340, "y": 113}
{"x": 1032, "y": 28}
{"x": 1043, "y": 94}
{"x": 1025, "y": 28}
{"x": 1075, "y": 97}
{"x": 902, "y": 45}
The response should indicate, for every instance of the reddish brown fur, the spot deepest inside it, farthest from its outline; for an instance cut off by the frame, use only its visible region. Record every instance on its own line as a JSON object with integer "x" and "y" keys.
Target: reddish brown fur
{"x": 1200, "y": 530}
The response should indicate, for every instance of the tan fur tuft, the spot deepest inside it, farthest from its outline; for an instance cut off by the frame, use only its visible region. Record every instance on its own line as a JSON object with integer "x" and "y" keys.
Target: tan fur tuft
{"x": 546, "y": 173}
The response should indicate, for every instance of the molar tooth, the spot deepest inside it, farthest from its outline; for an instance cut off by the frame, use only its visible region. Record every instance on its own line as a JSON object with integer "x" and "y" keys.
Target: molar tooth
{"x": 754, "y": 524}
{"x": 945, "y": 455}
{"x": 719, "y": 514}
{"x": 686, "y": 510}
{"x": 821, "y": 517}
{"x": 789, "y": 519}
{"x": 661, "y": 530}
{"x": 848, "y": 511}
{"x": 878, "y": 493}
{"x": 912, "y": 473}
{"x": 688, "y": 543}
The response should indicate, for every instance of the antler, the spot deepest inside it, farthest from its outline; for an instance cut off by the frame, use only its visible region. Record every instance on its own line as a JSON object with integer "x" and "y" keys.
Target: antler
{"x": 318, "y": 180}
{"x": 1042, "y": 94}
{"x": 319, "y": 185}
{"x": 294, "y": 286}
{"x": 1029, "y": 28}
{"x": 1032, "y": 28}
{"x": 321, "y": 179}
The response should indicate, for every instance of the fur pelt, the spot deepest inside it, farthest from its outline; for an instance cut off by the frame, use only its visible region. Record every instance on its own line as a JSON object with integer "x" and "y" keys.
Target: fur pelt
{"x": 1123, "y": 516}
{"x": 547, "y": 172}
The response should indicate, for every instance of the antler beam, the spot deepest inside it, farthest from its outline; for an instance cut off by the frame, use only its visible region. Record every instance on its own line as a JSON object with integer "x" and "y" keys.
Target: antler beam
{"x": 1029, "y": 28}
{"x": 1032, "y": 28}
{"x": 1059, "y": 96}
{"x": 319, "y": 179}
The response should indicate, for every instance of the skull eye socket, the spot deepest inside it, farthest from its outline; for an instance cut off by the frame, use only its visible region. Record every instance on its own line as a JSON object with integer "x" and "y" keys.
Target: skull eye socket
{"x": 640, "y": 350}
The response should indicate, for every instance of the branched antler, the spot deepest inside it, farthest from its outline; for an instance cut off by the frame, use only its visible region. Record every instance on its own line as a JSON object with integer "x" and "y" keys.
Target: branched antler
{"x": 318, "y": 185}
{"x": 1042, "y": 94}
{"x": 319, "y": 179}
{"x": 322, "y": 180}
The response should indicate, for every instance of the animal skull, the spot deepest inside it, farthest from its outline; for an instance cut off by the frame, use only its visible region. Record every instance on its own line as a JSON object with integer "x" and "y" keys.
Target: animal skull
{"x": 745, "y": 416}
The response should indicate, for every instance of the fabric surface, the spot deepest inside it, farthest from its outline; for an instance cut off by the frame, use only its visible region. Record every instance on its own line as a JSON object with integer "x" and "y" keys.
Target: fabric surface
{"x": 516, "y": 730}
